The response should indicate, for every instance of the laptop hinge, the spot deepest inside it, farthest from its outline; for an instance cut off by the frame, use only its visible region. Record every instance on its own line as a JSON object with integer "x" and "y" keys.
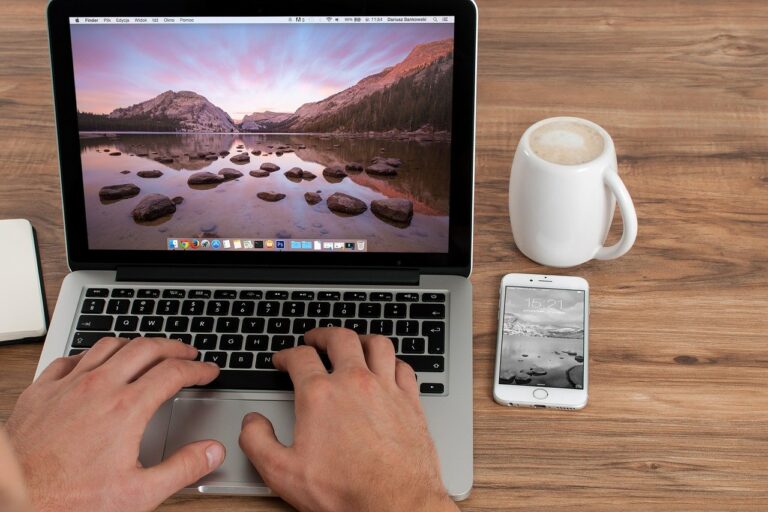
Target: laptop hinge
{"x": 401, "y": 277}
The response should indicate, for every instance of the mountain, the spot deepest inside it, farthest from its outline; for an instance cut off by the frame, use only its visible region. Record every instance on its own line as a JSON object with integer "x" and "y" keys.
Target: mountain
{"x": 186, "y": 110}
{"x": 266, "y": 121}
{"x": 513, "y": 326}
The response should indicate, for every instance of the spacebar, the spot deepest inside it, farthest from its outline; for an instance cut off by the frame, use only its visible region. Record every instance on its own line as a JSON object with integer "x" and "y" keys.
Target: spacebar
{"x": 251, "y": 379}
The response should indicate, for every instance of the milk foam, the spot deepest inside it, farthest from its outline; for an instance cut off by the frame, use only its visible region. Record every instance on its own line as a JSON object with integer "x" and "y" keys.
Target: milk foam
{"x": 566, "y": 142}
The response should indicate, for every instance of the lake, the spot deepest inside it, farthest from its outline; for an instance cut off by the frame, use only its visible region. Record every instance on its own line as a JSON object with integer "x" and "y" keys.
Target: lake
{"x": 542, "y": 361}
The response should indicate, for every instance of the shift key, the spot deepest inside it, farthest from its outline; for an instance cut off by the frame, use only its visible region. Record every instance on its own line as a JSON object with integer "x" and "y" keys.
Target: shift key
{"x": 94, "y": 323}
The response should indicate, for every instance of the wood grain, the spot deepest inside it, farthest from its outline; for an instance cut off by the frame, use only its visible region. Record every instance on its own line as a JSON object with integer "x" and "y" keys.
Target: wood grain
{"x": 678, "y": 407}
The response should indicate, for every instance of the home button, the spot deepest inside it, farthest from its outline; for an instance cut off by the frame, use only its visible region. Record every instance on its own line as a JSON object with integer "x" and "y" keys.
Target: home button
{"x": 541, "y": 394}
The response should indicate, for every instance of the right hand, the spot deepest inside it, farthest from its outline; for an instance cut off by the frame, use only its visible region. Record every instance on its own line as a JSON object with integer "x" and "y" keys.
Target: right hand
{"x": 360, "y": 441}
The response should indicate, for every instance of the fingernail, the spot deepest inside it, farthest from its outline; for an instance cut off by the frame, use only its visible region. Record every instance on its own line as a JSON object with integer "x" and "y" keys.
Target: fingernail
{"x": 215, "y": 455}
{"x": 212, "y": 364}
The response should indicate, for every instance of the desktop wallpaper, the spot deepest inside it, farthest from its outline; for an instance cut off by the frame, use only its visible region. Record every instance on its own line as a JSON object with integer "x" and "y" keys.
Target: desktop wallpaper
{"x": 262, "y": 131}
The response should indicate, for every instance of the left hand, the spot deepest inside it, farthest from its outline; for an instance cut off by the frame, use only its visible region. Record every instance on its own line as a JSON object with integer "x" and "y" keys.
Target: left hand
{"x": 77, "y": 429}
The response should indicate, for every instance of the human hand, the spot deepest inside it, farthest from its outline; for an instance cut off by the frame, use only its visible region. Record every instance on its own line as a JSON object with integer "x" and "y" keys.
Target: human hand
{"x": 77, "y": 429}
{"x": 360, "y": 441}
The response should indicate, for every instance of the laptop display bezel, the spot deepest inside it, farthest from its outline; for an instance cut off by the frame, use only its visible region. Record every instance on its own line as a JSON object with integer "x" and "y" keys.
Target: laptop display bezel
{"x": 458, "y": 258}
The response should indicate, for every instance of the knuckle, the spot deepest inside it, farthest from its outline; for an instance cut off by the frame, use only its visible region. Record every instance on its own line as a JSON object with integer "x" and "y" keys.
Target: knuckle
{"x": 316, "y": 387}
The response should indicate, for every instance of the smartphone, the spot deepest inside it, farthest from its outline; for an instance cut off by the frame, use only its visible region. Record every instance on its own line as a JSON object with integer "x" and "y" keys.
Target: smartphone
{"x": 542, "y": 344}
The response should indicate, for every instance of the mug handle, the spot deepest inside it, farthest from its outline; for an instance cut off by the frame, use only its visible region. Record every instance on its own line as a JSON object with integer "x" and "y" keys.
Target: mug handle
{"x": 628, "y": 214}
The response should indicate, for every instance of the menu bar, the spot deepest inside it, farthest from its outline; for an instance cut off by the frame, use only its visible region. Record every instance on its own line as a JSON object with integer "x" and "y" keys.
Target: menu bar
{"x": 237, "y": 244}
{"x": 186, "y": 20}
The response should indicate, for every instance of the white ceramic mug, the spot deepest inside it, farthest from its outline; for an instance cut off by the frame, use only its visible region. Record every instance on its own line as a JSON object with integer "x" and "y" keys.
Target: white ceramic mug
{"x": 561, "y": 208}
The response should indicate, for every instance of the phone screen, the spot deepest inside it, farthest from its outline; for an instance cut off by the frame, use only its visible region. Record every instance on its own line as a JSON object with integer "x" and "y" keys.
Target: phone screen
{"x": 542, "y": 338}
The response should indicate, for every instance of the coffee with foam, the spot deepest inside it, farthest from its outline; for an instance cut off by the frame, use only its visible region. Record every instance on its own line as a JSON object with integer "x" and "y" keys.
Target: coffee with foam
{"x": 567, "y": 142}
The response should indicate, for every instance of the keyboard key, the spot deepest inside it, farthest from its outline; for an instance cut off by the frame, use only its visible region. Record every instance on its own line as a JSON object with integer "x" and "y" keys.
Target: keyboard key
{"x": 227, "y": 324}
{"x": 429, "y": 388}
{"x": 89, "y": 339}
{"x": 231, "y": 342}
{"x": 424, "y": 363}
{"x": 177, "y": 323}
{"x": 268, "y": 308}
{"x": 407, "y": 297}
{"x": 278, "y": 326}
{"x": 202, "y": 324}
{"x": 182, "y": 337}
{"x": 302, "y": 295}
{"x": 359, "y": 326}
{"x": 217, "y": 308}
{"x": 129, "y": 335}
{"x": 282, "y": 342}
{"x": 220, "y": 358}
{"x": 206, "y": 341}
{"x": 395, "y": 343}
{"x": 97, "y": 292}
{"x": 395, "y": 310}
{"x": 192, "y": 307}
{"x": 355, "y": 296}
{"x": 257, "y": 343}
{"x": 435, "y": 333}
{"x": 383, "y": 327}
{"x": 122, "y": 292}
{"x": 168, "y": 307}
{"x": 264, "y": 360}
{"x": 199, "y": 294}
{"x": 293, "y": 308}
{"x": 253, "y": 325}
{"x": 241, "y": 360}
{"x": 151, "y": 323}
{"x": 380, "y": 297}
{"x": 93, "y": 306}
{"x": 277, "y": 295}
{"x": 413, "y": 346}
{"x": 319, "y": 309}
{"x": 127, "y": 323}
{"x": 147, "y": 293}
{"x": 118, "y": 306}
{"x": 328, "y": 296}
{"x": 252, "y": 379}
{"x": 251, "y": 294}
{"x": 369, "y": 310}
{"x": 302, "y": 325}
{"x": 433, "y": 297}
{"x": 143, "y": 307}
{"x": 428, "y": 311}
{"x": 330, "y": 322}
{"x": 243, "y": 307}
{"x": 94, "y": 323}
{"x": 225, "y": 294}
{"x": 344, "y": 309}
{"x": 76, "y": 351}
{"x": 155, "y": 335}
{"x": 407, "y": 328}
{"x": 174, "y": 294}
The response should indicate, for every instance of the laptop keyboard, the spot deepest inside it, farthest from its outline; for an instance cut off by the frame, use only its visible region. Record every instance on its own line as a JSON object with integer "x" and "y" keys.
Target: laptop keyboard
{"x": 241, "y": 329}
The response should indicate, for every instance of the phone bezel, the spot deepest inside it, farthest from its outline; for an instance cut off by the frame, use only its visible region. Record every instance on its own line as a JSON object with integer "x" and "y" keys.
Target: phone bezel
{"x": 510, "y": 394}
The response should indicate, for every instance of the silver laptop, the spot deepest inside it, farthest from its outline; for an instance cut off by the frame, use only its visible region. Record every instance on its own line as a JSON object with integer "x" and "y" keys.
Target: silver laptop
{"x": 234, "y": 179}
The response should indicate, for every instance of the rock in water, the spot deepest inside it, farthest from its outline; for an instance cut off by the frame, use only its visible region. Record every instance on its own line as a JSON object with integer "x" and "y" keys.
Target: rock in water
{"x": 398, "y": 210}
{"x": 242, "y": 158}
{"x": 153, "y": 207}
{"x": 256, "y": 152}
{"x": 259, "y": 174}
{"x": 211, "y": 157}
{"x": 309, "y": 176}
{"x": 272, "y": 197}
{"x": 294, "y": 173}
{"x": 164, "y": 159}
{"x": 204, "y": 178}
{"x": 354, "y": 166}
{"x": 230, "y": 174}
{"x": 115, "y": 153}
{"x": 223, "y": 153}
{"x": 381, "y": 170}
{"x": 149, "y": 174}
{"x": 343, "y": 203}
{"x": 177, "y": 200}
{"x": 124, "y": 191}
{"x": 392, "y": 162}
{"x": 125, "y": 172}
{"x": 312, "y": 197}
{"x": 269, "y": 167}
{"x": 334, "y": 172}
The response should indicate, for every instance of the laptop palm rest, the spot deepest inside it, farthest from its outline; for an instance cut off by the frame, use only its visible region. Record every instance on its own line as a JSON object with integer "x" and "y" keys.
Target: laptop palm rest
{"x": 195, "y": 419}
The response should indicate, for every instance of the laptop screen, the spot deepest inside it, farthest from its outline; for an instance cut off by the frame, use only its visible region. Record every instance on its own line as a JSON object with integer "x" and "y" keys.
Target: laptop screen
{"x": 328, "y": 134}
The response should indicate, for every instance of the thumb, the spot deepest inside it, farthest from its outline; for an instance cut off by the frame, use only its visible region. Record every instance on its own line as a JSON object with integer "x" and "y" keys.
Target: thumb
{"x": 186, "y": 466}
{"x": 270, "y": 457}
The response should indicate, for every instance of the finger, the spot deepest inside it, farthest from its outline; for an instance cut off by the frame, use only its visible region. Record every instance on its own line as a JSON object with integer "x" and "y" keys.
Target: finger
{"x": 99, "y": 354}
{"x": 406, "y": 378}
{"x": 301, "y": 363}
{"x": 342, "y": 345}
{"x": 60, "y": 368}
{"x": 271, "y": 458}
{"x": 380, "y": 355}
{"x": 141, "y": 354}
{"x": 185, "y": 467}
{"x": 167, "y": 378}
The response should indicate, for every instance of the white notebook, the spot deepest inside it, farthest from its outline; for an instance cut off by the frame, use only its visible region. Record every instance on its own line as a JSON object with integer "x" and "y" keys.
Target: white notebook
{"x": 22, "y": 306}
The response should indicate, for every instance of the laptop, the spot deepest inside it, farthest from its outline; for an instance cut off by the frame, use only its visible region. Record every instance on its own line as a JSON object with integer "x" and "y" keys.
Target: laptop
{"x": 233, "y": 176}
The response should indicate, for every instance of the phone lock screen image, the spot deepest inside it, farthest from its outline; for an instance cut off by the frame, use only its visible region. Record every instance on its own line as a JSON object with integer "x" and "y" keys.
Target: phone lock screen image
{"x": 543, "y": 338}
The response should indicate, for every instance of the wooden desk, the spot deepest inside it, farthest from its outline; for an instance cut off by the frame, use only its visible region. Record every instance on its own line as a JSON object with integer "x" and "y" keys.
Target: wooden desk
{"x": 678, "y": 412}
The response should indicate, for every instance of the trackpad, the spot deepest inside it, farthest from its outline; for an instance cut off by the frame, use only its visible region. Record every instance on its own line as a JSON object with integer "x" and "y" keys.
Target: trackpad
{"x": 195, "y": 419}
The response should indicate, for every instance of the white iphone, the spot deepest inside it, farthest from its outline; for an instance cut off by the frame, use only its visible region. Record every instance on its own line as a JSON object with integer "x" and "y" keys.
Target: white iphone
{"x": 541, "y": 350}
